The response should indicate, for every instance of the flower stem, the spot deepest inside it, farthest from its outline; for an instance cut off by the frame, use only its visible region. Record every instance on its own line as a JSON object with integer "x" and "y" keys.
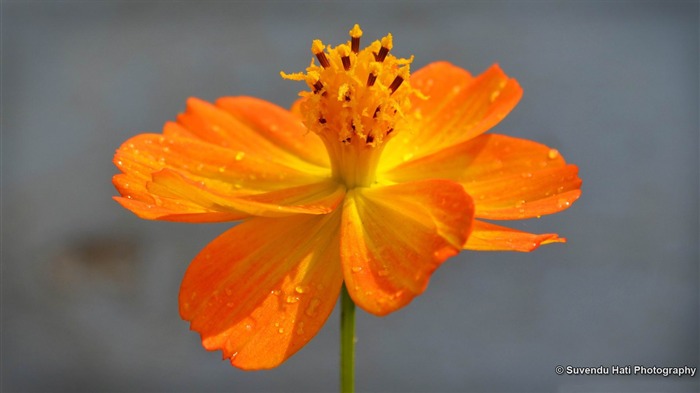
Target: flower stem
{"x": 347, "y": 342}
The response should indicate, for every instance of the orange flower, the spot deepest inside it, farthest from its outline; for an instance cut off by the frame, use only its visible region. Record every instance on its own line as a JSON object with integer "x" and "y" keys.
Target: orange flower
{"x": 372, "y": 179}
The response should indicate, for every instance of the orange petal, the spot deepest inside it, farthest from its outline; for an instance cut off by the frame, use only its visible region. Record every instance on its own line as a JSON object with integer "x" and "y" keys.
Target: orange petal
{"x": 394, "y": 237}
{"x": 279, "y": 126}
{"x": 509, "y": 178}
{"x": 264, "y": 288}
{"x": 256, "y": 127}
{"x": 490, "y": 237}
{"x": 155, "y": 166}
{"x": 458, "y": 108}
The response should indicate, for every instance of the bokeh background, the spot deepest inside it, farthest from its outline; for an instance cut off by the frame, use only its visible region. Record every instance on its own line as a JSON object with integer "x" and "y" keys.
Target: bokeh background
{"x": 89, "y": 291}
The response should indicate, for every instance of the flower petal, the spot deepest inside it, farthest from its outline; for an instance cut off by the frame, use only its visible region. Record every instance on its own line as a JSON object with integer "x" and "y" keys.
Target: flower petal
{"x": 490, "y": 237}
{"x": 394, "y": 237}
{"x": 458, "y": 108}
{"x": 255, "y": 127}
{"x": 509, "y": 178}
{"x": 277, "y": 125}
{"x": 264, "y": 288}
{"x": 176, "y": 177}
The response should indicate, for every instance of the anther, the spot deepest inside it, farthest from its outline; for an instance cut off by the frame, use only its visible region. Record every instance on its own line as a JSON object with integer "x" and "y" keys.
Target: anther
{"x": 317, "y": 49}
{"x": 355, "y": 35}
{"x": 387, "y": 44}
{"x": 371, "y": 78}
{"x": 396, "y": 83}
{"x": 318, "y": 86}
{"x": 344, "y": 53}
{"x": 373, "y": 72}
{"x": 369, "y": 139}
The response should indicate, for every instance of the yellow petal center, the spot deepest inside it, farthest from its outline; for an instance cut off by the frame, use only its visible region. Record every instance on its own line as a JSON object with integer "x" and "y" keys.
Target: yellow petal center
{"x": 357, "y": 98}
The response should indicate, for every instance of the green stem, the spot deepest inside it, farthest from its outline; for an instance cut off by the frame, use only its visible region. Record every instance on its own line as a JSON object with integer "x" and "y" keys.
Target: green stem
{"x": 347, "y": 342}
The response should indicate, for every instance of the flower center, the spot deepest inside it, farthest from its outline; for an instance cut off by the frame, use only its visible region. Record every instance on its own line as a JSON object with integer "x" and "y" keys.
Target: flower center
{"x": 357, "y": 98}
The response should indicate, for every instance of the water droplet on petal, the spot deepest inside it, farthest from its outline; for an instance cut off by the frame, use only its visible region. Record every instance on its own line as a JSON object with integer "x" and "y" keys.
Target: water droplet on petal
{"x": 240, "y": 155}
{"x": 300, "y": 328}
{"x": 280, "y": 330}
{"x": 292, "y": 299}
{"x": 312, "y": 309}
{"x": 222, "y": 169}
{"x": 407, "y": 156}
{"x": 301, "y": 289}
{"x": 553, "y": 153}
{"x": 494, "y": 95}
{"x": 562, "y": 203}
{"x": 356, "y": 269}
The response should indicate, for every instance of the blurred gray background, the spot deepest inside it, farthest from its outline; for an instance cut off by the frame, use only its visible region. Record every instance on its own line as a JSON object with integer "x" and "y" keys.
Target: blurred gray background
{"x": 89, "y": 291}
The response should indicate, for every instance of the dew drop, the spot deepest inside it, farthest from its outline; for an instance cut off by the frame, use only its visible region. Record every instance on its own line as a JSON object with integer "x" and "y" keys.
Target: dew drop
{"x": 222, "y": 169}
{"x": 240, "y": 155}
{"x": 356, "y": 269}
{"x": 292, "y": 299}
{"x": 166, "y": 149}
{"x": 520, "y": 203}
{"x": 313, "y": 307}
{"x": 563, "y": 203}
{"x": 553, "y": 153}
{"x": 301, "y": 289}
{"x": 407, "y": 156}
{"x": 248, "y": 327}
{"x": 494, "y": 95}
{"x": 300, "y": 328}
{"x": 200, "y": 167}
{"x": 275, "y": 292}
{"x": 280, "y": 330}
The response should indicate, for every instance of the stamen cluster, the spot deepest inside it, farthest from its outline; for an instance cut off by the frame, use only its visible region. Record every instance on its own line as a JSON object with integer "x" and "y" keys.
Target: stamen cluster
{"x": 357, "y": 96}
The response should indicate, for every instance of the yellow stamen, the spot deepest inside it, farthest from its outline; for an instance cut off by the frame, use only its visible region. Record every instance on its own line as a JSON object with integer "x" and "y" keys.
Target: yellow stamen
{"x": 355, "y": 35}
{"x": 364, "y": 96}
